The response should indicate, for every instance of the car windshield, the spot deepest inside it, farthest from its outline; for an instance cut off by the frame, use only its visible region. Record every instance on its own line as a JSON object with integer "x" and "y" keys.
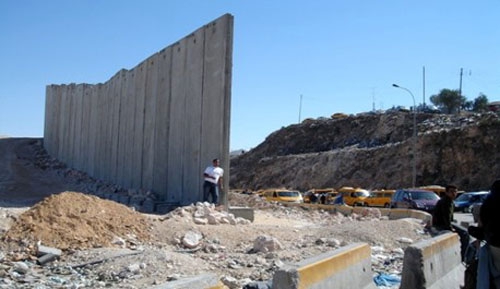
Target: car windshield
{"x": 361, "y": 194}
{"x": 471, "y": 197}
{"x": 288, "y": 194}
{"x": 424, "y": 196}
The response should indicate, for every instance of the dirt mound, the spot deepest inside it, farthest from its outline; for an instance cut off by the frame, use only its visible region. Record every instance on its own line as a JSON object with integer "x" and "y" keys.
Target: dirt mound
{"x": 71, "y": 220}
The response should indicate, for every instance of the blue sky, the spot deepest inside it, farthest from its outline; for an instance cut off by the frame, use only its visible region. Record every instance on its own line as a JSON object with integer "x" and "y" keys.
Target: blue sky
{"x": 341, "y": 56}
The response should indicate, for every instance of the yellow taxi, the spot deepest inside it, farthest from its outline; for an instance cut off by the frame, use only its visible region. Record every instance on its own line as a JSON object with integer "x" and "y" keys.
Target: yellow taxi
{"x": 354, "y": 196}
{"x": 325, "y": 196}
{"x": 282, "y": 195}
{"x": 434, "y": 188}
{"x": 379, "y": 198}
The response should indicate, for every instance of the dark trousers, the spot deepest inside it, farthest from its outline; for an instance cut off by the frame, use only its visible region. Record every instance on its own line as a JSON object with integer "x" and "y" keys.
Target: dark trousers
{"x": 464, "y": 239}
{"x": 462, "y": 234}
{"x": 210, "y": 190}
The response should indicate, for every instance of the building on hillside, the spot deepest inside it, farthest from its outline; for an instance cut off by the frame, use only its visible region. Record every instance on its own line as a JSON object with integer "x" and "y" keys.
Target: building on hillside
{"x": 494, "y": 106}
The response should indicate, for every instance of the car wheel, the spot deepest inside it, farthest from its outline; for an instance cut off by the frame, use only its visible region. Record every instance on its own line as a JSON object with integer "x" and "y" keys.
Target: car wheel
{"x": 387, "y": 205}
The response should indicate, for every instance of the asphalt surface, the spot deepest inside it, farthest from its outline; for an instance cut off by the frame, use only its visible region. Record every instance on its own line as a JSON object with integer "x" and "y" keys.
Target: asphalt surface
{"x": 464, "y": 217}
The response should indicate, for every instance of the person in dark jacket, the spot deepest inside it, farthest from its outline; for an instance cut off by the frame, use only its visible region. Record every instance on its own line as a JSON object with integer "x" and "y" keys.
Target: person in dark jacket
{"x": 442, "y": 217}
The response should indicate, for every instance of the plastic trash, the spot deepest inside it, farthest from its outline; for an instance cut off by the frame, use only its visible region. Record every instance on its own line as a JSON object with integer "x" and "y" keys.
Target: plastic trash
{"x": 388, "y": 280}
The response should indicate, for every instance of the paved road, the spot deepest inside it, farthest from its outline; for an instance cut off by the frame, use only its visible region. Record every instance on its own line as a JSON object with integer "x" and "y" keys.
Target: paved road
{"x": 464, "y": 217}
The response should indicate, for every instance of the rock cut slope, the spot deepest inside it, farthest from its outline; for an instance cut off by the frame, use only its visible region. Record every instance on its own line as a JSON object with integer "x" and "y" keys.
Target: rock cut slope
{"x": 374, "y": 150}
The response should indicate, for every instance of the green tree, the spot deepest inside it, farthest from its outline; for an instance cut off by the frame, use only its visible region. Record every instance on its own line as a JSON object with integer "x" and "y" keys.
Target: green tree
{"x": 468, "y": 105}
{"x": 480, "y": 103}
{"x": 448, "y": 100}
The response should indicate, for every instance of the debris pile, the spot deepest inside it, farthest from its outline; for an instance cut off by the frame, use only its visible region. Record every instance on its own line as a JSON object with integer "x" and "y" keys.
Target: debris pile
{"x": 71, "y": 220}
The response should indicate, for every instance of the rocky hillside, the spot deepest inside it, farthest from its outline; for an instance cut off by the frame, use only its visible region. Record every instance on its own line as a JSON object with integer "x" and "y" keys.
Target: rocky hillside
{"x": 374, "y": 150}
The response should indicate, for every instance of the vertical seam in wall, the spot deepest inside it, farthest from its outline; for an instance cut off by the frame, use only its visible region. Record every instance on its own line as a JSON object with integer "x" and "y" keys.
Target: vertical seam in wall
{"x": 169, "y": 106}
{"x": 143, "y": 123}
{"x": 200, "y": 165}
{"x": 120, "y": 94}
{"x": 184, "y": 92}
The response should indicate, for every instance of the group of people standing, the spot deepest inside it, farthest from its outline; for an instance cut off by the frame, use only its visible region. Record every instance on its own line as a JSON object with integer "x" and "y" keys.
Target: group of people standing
{"x": 483, "y": 265}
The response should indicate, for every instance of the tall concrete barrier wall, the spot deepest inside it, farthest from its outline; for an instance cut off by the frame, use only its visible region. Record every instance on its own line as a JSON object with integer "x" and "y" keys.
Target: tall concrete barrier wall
{"x": 153, "y": 127}
{"x": 433, "y": 264}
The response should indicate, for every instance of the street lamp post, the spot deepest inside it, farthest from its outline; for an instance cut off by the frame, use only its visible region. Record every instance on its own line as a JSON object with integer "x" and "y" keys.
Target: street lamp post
{"x": 414, "y": 178}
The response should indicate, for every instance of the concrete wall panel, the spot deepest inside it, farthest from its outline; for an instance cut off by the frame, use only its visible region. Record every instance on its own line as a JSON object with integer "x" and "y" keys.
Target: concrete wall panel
{"x": 66, "y": 114}
{"x": 193, "y": 121}
{"x": 124, "y": 119}
{"x": 150, "y": 100}
{"x": 177, "y": 115}
{"x": 217, "y": 83}
{"x": 138, "y": 135}
{"x": 128, "y": 138}
{"x": 160, "y": 165}
{"x": 101, "y": 120}
{"x": 115, "y": 124}
{"x": 93, "y": 128}
{"x": 107, "y": 133}
{"x": 154, "y": 127}
{"x": 85, "y": 136}
{"x": 77, "y": 136}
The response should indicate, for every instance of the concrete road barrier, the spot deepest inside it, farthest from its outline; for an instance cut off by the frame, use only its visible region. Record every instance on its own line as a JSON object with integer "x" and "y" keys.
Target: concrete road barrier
{"x": 347, "y": 267}
{"x": 433, "y": 263}
{"x": 394, "y": 214}
{"x": 242, "y": 212}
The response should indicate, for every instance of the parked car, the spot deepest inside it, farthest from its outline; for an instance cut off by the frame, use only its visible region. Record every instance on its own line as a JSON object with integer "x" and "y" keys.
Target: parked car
{"x": 439, "y": 190}
{"x": 354, "y": 196}
{"x": 414, "y": 199}
{"x": 282, "y": 195}
{"x": 314, "y": 195}
{"x": 475, "y": 210}
{"x": 466, "y": 201}
{"x": 380, "y": 198}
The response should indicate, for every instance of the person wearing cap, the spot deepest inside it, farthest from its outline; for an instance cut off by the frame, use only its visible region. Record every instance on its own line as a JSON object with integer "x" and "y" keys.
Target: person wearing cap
{"x": 213, "y": 182}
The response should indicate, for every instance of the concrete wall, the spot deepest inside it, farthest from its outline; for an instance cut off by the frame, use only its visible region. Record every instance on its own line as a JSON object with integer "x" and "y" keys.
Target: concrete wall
{"x": 154, "y": 127}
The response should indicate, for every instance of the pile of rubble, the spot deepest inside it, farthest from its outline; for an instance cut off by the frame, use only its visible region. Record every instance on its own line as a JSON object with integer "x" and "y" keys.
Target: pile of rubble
{"x": 72, "y": 220}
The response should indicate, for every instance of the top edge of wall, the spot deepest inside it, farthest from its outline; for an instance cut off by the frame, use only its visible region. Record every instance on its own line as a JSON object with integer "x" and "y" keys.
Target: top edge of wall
{"x": 226, "y": 17}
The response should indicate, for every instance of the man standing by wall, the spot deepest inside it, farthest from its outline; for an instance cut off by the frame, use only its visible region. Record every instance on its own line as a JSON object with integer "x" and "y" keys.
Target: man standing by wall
{"x": 213, "y": 182}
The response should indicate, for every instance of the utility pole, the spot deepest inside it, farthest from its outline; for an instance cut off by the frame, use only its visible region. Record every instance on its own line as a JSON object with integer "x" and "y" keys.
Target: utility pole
{"x": 423, "y": 79}
{"x": 300, "y": 106}
{"x": 460, "y": 87}
{"x": 373, "y": 99}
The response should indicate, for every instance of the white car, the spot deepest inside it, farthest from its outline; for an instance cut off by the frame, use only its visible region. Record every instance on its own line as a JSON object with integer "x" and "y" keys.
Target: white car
{"x": 476, "y": 208}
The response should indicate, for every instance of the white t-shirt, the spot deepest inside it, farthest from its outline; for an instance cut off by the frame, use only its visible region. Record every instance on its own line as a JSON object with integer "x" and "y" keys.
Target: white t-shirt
{"x": 215, "y": 172}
